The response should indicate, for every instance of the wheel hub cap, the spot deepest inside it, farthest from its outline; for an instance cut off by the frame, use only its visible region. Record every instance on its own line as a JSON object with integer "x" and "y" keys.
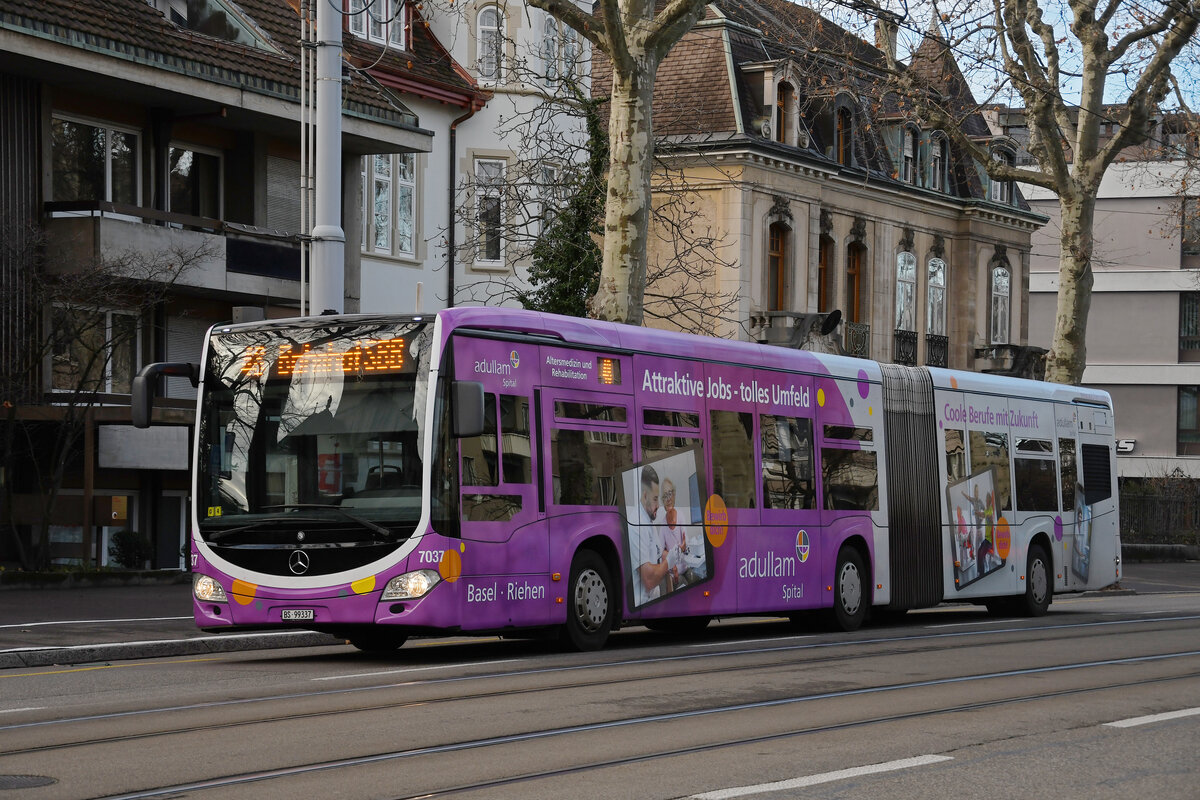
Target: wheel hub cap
{"x": 591, "y": 600}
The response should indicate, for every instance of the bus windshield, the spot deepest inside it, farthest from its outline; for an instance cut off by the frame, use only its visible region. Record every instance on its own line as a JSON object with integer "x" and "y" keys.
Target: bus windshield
{"x": 317, "y": 425}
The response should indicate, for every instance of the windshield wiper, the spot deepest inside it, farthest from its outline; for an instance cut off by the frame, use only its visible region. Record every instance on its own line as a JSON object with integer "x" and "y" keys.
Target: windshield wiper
{"x": 212, "y": 536}
{"x": 366, "y": 523}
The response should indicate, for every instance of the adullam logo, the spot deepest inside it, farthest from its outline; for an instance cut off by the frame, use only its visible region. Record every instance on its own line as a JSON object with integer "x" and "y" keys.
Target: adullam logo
{"x": 515, "y": 358}
{"x": 802, "y": 546}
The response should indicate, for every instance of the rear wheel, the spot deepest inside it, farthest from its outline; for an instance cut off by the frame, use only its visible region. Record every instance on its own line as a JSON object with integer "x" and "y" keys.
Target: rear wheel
{"x": 378, "y": 641}
{"x": 591, "y": 603}
{"x": 1038, "y": 584}
{"x": 849, "y": 590}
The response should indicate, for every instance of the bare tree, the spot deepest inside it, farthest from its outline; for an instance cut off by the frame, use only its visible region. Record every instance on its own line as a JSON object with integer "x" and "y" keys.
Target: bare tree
{"x": 79, "y": 346}
{"x": 635, "y": 40}
{"x": 1116, "y": 57}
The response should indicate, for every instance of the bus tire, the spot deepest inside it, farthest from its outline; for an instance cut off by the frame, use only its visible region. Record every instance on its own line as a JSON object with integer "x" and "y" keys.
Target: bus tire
{"x": 378, "y": 641}
{"x": 590, "y": 602}
{"x": 850, "y": 599}
{"x": 1038, "y": 584}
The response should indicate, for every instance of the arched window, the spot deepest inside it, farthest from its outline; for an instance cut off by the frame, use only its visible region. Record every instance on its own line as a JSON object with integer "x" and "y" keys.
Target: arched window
{"x": 490, "y": 41}
{"x": 550, "y": 49}
{"x": 939, "y": 163}
{"x": 785, "y": 107}
{"x": 856, "y": 260}
{"x": 936, "y": 302}
{"x": 1002, "y": 191}
{"x": 1001, "y": 296}
{"x": 844, "y": 137}
{"x": 906, "y": 292}
{"x": 910, "y": 162}
{"x": 824, "y": 259}
{"x": 777, "y": 250}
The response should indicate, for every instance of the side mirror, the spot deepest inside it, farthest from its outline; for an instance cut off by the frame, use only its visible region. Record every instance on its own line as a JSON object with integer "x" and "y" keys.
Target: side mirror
{"x": 145, "y": 385}
{"x": 468, "y": 408}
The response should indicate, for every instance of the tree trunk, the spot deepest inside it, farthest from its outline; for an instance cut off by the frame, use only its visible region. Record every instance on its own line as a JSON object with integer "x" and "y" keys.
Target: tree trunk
{"x": 1068, "y": 351}
{"x": 627, "y": 210}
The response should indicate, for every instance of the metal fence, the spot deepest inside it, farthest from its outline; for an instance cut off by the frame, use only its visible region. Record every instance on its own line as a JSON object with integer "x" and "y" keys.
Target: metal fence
{"x": 1148, "y": 519}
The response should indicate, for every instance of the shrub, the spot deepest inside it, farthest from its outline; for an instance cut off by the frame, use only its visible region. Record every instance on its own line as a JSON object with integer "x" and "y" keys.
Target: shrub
{"x": 130, "y": 549}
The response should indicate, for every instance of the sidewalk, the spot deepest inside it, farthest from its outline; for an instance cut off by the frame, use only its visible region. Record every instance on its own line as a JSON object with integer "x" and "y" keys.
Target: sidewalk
{"x": 42, "y": 627}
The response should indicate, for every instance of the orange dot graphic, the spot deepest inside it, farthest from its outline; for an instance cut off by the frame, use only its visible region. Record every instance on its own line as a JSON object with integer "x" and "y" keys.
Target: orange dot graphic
{"x": 450, "y": 567}
{"x": 243, "y": 593}
{"x": 716, "y": 520}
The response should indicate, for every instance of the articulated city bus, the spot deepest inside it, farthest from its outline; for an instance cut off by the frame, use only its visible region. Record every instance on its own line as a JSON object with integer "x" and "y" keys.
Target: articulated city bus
{"x": 494, "y": 470}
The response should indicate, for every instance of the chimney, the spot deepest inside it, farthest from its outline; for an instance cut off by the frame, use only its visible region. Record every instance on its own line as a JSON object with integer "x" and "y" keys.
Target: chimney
{"x": 886, "y": 30}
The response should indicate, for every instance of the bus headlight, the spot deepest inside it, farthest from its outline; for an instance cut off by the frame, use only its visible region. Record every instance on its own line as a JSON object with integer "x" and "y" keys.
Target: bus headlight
{"x": 207, "y": 589}
{"x": 411, "y": 585}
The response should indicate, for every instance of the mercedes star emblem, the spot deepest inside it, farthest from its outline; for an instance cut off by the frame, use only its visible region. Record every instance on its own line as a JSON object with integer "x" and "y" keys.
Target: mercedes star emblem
{"x": 298, "y": 562}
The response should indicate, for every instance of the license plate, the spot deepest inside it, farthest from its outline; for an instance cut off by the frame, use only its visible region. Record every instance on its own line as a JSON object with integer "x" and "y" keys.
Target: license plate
{"x": 296, "y": 614}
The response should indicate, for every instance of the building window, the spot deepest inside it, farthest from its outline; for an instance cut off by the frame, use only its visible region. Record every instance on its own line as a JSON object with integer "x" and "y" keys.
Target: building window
{"x": 824, "y": 259}
{"x": 856, "y": 257}
{"x": 1189, "y": 421}
{"x": 1189, "y": 326}
{"x": 939, "y": 162}
{"x": 195, "y": 182}
{"x": 844, "y": 138}
{"x": 380, "y": 21}
{"x": 570, "y": 52}
{"x": 390, "y": 188}
{"x": 1001, "y": 191}
{"x": 1001, "y": 295}
{"x": 93, "y": 351}
{"x": 550, "y": 50}
{"x": 94, "y": 162}
{"x": 936, "y": 303}
{"x": 906, "y": 292}
{"x": 910, "y": 167}
{"x": 1190, "y": 226}
{"x": 777, "y": 288}
{"x": 489, "y": 210}
{"x": 490, "y": 39}
{"x": 785, "y": 109}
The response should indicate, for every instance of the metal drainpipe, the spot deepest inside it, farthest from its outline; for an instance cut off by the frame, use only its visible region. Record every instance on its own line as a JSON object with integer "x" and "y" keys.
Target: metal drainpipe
{"x": 451, "y": 225}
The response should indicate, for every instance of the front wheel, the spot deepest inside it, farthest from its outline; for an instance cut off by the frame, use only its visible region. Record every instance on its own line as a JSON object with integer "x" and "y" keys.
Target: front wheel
{"x": 850, "y": 595}
{"x": 591, "y": 603}
{"x": 1038, "y": 584}
{"x": 378, "y": 642}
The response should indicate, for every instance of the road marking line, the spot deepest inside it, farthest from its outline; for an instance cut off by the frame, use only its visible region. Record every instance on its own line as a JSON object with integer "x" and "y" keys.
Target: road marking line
{"x": 415, "y": 669}
{"x": 1135, "y": 721}
{"x": 973, "y": 622}
{"x": 93, "y": 621}
{"x": 753, "y": 641}
{"x": 15, "y": 710}
{"x": 825, "y": 777}
{"x": 102, "y": 666}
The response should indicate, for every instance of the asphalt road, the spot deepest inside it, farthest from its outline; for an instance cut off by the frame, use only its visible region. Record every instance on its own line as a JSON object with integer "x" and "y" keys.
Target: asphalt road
{"x": 948, "y": 703}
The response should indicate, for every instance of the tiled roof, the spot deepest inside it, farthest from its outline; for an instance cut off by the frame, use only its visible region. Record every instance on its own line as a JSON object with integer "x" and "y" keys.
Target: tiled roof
{"x": 134, "y": 30}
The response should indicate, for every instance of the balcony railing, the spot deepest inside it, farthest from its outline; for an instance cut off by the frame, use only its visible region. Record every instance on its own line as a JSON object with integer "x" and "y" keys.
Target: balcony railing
{"x": 858, "y": 339}
{"x": 937, "y": 350}
{"x": 245, "y": 249}
{"x": 904, "y": 348}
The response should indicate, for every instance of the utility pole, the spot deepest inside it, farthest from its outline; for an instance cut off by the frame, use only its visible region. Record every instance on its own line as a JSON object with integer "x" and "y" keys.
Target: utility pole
{"x": 328, "y": 239}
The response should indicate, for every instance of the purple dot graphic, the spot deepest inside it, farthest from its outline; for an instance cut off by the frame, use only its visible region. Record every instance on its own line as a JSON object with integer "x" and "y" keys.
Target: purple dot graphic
{"x": 863, "y": 387}
{"x": 1058, "y": 530}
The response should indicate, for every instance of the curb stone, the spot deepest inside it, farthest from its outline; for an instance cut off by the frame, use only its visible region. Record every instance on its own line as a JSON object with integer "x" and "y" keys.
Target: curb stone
{"x": 124, "y": 651}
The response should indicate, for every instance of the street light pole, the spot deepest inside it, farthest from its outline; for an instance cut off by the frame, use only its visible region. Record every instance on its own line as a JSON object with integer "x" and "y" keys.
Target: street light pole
{"x": 328, "y": 238}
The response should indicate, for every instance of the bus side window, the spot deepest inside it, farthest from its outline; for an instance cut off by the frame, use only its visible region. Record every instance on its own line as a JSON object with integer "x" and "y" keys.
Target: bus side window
{"x": 733, "y": 457}
{"x": 956, "y": 456}
{"x": 1066, "y": 471}
{"x": 516, "y": 444}
{"x": 989, "y": 449}
{"x": 787, "y": 462}
{"x": 479, "y": 453}
{"x": 850, "y": 479}
{"x": 1034, "y": 473}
